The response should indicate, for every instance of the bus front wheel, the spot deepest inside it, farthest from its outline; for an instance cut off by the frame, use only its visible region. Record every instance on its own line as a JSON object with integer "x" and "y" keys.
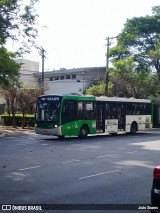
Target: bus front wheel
{"x": 83, "y": 131}
{"x": 134, "y": 128}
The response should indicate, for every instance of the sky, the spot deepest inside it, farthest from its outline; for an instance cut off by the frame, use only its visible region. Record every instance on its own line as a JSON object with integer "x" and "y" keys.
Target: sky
{"x": 73, "y": 32}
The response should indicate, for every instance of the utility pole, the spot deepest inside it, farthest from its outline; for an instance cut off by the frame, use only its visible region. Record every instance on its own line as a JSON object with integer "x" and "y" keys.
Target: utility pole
{"x": 42, "y": 53}
{"x": 107, "y": 66}
{"x": 83, "y": 73}
{"x": 107, "y": 62}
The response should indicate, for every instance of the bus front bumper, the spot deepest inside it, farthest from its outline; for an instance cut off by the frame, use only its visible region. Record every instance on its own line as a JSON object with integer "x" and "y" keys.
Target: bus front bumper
{"x": 54, "y": 131}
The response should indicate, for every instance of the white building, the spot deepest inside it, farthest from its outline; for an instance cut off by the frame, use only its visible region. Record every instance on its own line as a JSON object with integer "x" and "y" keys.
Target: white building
{"x": 63, "y": 81}
{"x": 74, "y": 80}
{"x": 27, "y": 71}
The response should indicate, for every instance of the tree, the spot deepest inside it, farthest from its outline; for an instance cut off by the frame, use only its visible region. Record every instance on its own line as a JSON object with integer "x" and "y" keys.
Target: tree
{"x": 17, "y": 21}
{"x": 21, "y": 99}
{"x": 138, "y": 39}
{"x": 126, "y": 79}
{"x": 97, "y": 89}
{"x": 9, "y": 92}
{"x": 26, "y": 98}
{"x": 8, "y": 67}
{"x": 129, "y": 80}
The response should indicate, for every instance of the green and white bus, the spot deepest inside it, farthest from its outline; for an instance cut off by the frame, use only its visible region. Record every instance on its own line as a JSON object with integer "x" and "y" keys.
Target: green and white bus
{"x": 76, "y": 115}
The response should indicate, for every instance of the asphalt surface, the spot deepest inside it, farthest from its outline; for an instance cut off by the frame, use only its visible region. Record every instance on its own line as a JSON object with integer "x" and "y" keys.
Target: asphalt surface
{"x": 98, "y": 170}
{"x": 7, "y": 132}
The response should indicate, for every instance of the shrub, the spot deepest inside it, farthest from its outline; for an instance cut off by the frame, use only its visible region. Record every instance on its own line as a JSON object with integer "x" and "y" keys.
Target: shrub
{"x": 8, "y": 120}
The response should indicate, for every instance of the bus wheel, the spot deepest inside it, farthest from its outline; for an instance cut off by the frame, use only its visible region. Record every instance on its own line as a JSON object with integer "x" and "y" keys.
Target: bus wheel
{"x": 134, "y": 128}
{"x": 113, "y": 133}
{"x": 83, "y": 132}
{"x": 61, "y": 136}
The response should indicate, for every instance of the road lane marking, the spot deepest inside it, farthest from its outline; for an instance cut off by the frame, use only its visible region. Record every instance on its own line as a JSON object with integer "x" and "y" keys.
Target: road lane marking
{"x": 114, "y": 154}
{"x": 33, "y": 167}
{"x": 130, "y": 152}
{"x": 49, "y": 147}
{"x": 76, "y": 160}
{"x": 70, "y": 161}
{"x": 98, "y": 174}
{"x": 103, "y": 156}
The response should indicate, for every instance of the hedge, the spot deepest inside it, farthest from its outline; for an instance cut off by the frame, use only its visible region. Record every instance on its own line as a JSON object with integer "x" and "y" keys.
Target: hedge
{"x": 8, "y": 120}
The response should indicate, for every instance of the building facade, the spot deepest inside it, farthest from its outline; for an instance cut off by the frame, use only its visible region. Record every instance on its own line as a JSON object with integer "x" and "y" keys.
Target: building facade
{"x": 27, "y": 71}
{"x": 75, "y": 80}
{"x": 62, "y": 81}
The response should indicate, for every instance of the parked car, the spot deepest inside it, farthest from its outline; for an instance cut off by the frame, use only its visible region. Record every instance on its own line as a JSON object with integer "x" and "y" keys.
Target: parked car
{"x": 155, "y": 191}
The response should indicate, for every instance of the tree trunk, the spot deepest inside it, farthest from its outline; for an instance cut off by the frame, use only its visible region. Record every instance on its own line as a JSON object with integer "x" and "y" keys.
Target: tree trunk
{"x": 14, "y": 120}
{"x": 23, "y": 121}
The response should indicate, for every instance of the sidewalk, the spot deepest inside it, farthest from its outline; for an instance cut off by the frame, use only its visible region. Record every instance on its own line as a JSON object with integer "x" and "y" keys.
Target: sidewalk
{"x": 9, "y": 131}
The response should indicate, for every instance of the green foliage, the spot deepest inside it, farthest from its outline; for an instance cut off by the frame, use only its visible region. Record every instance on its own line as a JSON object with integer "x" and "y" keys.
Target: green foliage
{"x": 97, "y": 89}
{"x": 17, "y": 21}
{"x": 155, "y": 55}
{"x": 18, "y": 115}
{"x": 138, "y": 39}
{"x": 8, "y": 67}
{"x": 7, "y": 120}
{"x": 130, "y": 80}
{"x": 21, "y": 99}
{"x": 136, "y": 58}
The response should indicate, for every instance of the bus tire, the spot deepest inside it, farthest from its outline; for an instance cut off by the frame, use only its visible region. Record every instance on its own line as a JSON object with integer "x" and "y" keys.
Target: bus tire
{"x": 61, "y": 136}
{"x": 83, "y": 131}
{"x": 113, "y": 133}
{"x": 134, "y": 128}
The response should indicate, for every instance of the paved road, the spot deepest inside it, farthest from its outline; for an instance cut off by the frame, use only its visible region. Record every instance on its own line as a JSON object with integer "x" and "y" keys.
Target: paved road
{"x": 97, "y": 170}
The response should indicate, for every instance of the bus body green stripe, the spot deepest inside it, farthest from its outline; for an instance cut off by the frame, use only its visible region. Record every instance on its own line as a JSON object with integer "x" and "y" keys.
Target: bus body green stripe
{"x": 73, "y": 128}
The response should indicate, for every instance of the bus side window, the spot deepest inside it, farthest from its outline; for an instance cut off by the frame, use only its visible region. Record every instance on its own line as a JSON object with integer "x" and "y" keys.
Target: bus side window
{"x": 88, "y": 110}
{"x": 114, "y": 110}
{"x": 107, "y": 111}
{"x": 129, "y": 108}
{"x": 80, "y": 110}
{"x": 147, "y": 108}
{"x": 69, "y": 111}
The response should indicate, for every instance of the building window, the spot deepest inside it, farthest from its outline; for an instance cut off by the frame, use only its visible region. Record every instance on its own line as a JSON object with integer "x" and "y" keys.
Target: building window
{"x": 68, "y": 77}
{"x": 62, "y": 77}
{"x": 73, "y": 76}
{"x": 57, "y": 78}
{"x": 51, "y": 78}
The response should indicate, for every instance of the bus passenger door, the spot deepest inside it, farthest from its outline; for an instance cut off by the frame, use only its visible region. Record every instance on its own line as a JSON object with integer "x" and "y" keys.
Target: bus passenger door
{"x": 121, "y": 116}
{"x": 69, "y": 116}
{"x": 100, "y": 117}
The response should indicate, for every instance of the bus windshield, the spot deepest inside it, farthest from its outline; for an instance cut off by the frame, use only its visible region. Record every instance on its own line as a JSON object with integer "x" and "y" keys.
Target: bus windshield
{"x": 48, "y": 108}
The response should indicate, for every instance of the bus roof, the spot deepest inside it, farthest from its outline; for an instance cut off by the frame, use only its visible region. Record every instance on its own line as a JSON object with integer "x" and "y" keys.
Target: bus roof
{"x": 101, "y": 98}
{"x": 118, "y": 99}
{"x": 79, "y": 97}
